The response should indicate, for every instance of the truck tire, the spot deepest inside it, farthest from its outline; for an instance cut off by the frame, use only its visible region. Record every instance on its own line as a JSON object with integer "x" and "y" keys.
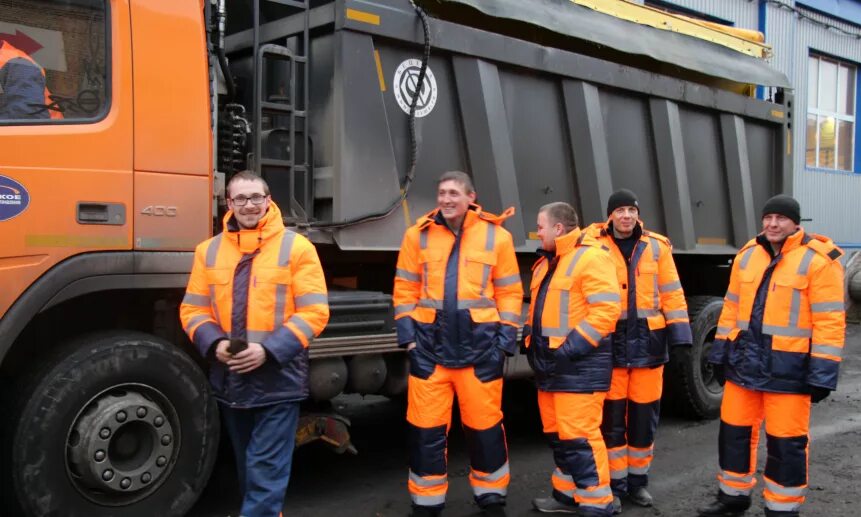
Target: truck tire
{"x": 114, "y": 423}
{"x": 692, "y": 389}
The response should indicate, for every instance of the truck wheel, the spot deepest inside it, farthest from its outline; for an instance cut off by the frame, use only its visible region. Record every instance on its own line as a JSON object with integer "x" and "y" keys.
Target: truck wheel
{"x": 118, "y": 423}
{"x": 691, "y": 386}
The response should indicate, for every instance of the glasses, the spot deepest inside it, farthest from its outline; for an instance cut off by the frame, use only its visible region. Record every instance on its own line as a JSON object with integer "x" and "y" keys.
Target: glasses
{"x": 256, "y": 199}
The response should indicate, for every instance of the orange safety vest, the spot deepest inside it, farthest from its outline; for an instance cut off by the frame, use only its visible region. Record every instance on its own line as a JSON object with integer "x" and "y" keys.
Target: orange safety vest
{"x": 489, "y": 288}
{"x": 287, "y": 305}
{"x": 791, "y": 336}
{"x": 8, "y": 53}
{"x": 580, "y": 309}
{"x": 658, "y": 299}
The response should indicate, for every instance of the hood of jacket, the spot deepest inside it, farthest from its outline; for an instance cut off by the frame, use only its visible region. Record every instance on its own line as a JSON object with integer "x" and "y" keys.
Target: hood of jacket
{"x": 249, "y": 240}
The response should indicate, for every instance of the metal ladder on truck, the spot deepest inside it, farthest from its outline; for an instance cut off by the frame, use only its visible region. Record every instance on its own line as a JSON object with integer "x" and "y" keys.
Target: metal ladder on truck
{"x": 282, "y": 145}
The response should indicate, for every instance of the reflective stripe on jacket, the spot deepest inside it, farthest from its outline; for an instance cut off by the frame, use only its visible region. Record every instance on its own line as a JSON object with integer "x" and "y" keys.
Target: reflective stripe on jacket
{"x": 266, "y": 286}
{"x": 575, "y": 311}
{"x": 23, "y": 90}
{"x": 657, "y": 314}
{"x": 456, "y": 296}
{"x": 783, "y": 322}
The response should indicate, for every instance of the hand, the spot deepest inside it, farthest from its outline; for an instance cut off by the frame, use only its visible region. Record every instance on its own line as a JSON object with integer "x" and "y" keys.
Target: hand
{"x": 717, "y": 371}
{"x": 221, "y": 352}
{"x": 249, "y": 359}
{"x": 410, "y": 346}
{"x": 818, "y": 394}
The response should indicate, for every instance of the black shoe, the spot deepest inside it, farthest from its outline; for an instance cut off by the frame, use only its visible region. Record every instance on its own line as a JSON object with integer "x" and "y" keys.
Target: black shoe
{"x": 775, "y": 513}
{"x": 494, "y": 510}
{"x": 726, "y": 506}
{"x": 425, "y": 511}
{"x": 551, "y": 505}
{"x": 640, "y": 496}
{"x": 617, "y": 505}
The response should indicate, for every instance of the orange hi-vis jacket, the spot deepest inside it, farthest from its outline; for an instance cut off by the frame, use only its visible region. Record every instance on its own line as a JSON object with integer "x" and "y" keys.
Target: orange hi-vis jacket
{"x": 654, "y": 310}
{"x": 573, "y": 310}
{"x": 783, "y": 322}
{"x": 458, "y": 296}
{"x": 23, "y": 95}
{"x": 281, "y": 304}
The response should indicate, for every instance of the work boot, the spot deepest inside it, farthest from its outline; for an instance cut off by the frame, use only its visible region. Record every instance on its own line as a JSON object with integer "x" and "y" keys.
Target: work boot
{"x": 617, "y": 505}
{"x": 551, "y": 505}
{"x": 774, "y": 513}
{"x": 425, "y": 511}
{"x": 494, "y": 509}
{"x": 726, "y": 506}
{"x": 640, "y": 496}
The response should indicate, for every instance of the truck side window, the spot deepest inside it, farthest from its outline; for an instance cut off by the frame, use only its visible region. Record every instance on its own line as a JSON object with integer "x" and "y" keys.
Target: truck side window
{"x": 53, "y": 61}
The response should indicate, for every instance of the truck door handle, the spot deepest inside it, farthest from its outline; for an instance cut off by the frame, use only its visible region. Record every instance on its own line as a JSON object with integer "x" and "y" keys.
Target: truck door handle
{"x": 101, "y": 213}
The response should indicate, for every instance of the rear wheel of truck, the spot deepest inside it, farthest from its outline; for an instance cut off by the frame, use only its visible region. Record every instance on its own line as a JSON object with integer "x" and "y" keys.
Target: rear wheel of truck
{"x": 692, "y": 388}
{"x": 118, "y": 423}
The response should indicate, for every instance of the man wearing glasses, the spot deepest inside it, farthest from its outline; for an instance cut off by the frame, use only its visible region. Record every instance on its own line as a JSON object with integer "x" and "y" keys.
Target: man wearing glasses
{"x": 255, "y": 300}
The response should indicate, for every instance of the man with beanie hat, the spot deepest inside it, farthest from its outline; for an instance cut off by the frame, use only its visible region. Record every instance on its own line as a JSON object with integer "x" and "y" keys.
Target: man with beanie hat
{"x": 654, "y": 317}
{"x": 778, "y": 347}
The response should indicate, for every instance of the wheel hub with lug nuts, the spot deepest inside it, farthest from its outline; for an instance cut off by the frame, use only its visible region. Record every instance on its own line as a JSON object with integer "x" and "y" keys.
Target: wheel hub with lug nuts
{"x": 122, "y": 444}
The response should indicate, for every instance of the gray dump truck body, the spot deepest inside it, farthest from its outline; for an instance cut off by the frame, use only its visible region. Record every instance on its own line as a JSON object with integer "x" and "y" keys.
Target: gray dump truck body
{"x": 531, "y": 122}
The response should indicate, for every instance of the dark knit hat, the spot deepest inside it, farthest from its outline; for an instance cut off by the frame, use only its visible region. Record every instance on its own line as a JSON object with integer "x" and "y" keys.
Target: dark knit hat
{"x": 623, "y": 197}
{"x": 783, "y": 205}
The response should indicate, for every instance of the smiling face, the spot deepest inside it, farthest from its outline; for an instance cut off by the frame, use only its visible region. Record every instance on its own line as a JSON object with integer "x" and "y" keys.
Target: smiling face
{"x": 243, "y": 194}
{"x": 777, "y": 228}
{"x": 548, "y": 231}
{"x": 453, "y": 201}
{"x": 624, "y": 220}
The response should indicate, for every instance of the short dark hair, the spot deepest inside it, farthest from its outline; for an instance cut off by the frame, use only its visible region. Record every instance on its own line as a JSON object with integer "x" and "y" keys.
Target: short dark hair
{"x": 247, "y": 175}
{"x": 459, "y": 177}
{"x": 561, "y": 212}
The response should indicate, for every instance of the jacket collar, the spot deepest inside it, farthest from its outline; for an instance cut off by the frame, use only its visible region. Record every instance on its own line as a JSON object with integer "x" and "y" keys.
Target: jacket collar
{"x": 607, "y": 229}
{"x": 795, "y": 240}
{"x": 249, "y": 240}
{"x": 473, "y": 214}
{"x": 566, "y": 243}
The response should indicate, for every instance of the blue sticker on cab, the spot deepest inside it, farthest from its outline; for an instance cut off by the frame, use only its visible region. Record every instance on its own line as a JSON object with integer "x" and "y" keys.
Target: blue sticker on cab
{"x": 14, "y": 198}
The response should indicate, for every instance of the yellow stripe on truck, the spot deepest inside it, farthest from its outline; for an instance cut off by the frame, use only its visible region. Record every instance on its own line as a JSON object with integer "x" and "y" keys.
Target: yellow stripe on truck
{"x": 362, "y": 16}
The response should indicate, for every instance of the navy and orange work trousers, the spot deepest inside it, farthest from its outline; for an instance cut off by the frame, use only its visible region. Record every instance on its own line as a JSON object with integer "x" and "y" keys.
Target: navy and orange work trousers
{"x": 631, "y": 414}
{"x": 787, "y": 422}
{"x": 429, "y": 419}
{"x": 572, "y": 424}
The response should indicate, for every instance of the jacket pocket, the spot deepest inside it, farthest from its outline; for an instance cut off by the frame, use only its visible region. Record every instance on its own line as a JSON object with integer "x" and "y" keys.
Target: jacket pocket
{"x": 735, "y": 351}
{"x": 790, "y": 290}
{"x": 271, "y": 290}
{"x": 786, "y": 365}
{"x": 490, "y": 365}
{"x": 428, "y": 335}
{"x": 420, "y": 365}
{"x": 432, "y": 263}
{"x": 479, "y": 269}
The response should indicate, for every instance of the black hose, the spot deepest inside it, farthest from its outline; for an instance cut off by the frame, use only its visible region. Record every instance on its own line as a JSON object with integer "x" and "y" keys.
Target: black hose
{"x": 414, "y": 148}
{"x": 225, "y": 70}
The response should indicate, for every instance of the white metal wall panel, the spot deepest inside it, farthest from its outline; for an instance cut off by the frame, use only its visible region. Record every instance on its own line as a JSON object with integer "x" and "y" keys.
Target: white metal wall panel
{"x": 741, "y": 12}
{"x": 830, "y": 199}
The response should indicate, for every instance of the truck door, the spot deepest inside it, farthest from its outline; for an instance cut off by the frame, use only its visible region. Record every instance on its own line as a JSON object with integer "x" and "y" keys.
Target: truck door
{"x": 172, "y": 142}
{"x": 65, "y": 135}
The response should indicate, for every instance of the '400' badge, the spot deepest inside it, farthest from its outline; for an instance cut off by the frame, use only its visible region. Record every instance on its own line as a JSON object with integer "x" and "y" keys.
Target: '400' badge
{"x": 14, "y": 198}
{"x": 406, "y": 83}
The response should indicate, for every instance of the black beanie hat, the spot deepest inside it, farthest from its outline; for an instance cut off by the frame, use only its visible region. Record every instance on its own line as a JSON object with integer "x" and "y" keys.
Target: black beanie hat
{"x": 623, "y": 197}
{"x": 783, "y": 205}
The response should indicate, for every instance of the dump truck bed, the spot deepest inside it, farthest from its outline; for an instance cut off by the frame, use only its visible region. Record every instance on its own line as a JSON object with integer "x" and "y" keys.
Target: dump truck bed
{"x": 532, "y": 124}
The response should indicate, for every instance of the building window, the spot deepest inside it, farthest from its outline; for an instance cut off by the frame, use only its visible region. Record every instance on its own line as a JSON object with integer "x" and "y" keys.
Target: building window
{"x": 830, "y": 113}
